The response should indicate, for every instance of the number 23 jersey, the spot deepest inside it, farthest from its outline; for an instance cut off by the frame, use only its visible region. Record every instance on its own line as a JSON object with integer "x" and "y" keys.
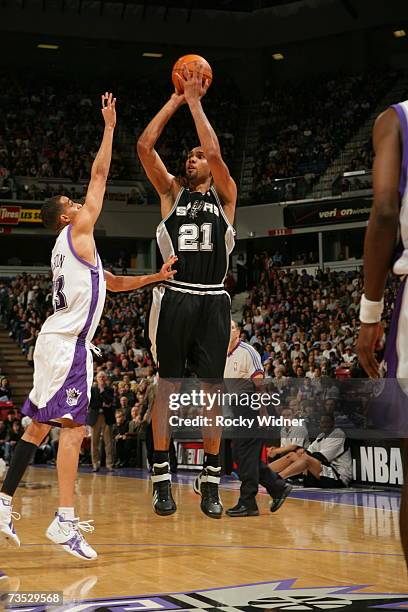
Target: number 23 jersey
{"x": 198, "y": 232}
{"x": 79, "y": 291}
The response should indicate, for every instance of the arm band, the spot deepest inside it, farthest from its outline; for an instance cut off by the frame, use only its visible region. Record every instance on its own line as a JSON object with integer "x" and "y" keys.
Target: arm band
{"x": 370, "y": 312}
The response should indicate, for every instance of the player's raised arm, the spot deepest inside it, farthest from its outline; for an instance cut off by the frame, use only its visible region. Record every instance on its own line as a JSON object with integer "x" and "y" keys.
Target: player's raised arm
{"x": 194, "y": 90}
{"x": 131, "y": 283}
{"x": 153, "y": 165}
{"x": 381, "y": 235}
{"x": 86, "y": 218}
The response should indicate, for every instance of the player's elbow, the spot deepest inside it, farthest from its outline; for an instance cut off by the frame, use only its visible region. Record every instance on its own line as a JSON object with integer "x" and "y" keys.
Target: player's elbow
{"x": 99, "y": 173}
{"x": 386, "y": 211}
{"x": 113, "y": 283}
{"x": 143, "y": 146}
{"x": 213, "y": 155}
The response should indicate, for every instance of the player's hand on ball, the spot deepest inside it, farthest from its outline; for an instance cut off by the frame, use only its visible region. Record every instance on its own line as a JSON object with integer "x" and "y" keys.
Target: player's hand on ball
{"x": 195, "y": 86}
{"x": 166, "y": 272}
{"x": 108, "y": 109}
{"x": 370, "y": 339}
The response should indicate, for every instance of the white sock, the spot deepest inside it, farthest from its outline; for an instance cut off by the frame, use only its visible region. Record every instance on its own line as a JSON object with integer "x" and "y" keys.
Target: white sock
{"x": 66, "y": 513}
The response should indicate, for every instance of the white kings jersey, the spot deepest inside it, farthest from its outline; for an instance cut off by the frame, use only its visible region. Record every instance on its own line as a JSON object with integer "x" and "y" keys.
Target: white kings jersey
{"x": 79, "y": 291}
{"x": 401, "y": 262}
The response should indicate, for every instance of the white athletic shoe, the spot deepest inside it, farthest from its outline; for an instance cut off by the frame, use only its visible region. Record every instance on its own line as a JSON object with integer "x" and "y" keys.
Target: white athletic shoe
{"x": 8, "y": 535}
{"x": 68, "y": 535}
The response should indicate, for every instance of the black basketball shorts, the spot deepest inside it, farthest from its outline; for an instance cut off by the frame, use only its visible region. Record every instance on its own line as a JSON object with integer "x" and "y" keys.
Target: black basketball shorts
{"x": 189, "y": 330}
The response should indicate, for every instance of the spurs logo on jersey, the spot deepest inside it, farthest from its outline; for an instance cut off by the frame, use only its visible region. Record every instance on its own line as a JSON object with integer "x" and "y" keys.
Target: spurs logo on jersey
{"x": 198, "y": 232}
{"x": 192, "y": 209}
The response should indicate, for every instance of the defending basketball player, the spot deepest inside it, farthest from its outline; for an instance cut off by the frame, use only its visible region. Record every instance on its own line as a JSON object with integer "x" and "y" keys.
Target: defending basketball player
{"x": 63, "y": 365}
{"x": 390, "y": 141}
{"x": 190, "y": 317}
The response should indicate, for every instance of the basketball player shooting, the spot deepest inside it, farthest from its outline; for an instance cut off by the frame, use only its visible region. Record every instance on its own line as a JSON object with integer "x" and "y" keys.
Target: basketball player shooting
{"x": 387, "y": 219}
{"x": 190, "y": 317}
{"x": 63, "y": 364}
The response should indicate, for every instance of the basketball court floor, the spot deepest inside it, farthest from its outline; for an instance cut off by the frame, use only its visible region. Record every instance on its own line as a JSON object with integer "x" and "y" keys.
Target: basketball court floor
{"x": 320, "y": 551}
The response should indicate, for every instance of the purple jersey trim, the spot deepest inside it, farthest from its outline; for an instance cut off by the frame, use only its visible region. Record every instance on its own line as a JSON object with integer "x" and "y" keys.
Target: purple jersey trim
{"x": 404, "y": 137}
{"x": 75, "y": 254}
{"x": 94, "y": 302}
{"x": 390, "y": 353}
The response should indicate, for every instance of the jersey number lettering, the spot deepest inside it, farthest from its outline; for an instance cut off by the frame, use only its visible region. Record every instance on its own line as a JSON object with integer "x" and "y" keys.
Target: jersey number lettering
{"x": 59, "y": 298}
{"x": 189, "y": 236}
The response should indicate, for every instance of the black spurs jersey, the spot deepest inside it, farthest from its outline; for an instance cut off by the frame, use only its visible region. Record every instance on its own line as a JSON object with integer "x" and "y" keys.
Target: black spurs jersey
{"x": 198, "y": 232}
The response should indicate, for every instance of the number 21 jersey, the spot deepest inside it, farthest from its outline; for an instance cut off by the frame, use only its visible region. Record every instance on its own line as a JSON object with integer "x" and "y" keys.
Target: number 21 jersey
{"x": 198, "y": 232}
{"x": 79, "y": 291}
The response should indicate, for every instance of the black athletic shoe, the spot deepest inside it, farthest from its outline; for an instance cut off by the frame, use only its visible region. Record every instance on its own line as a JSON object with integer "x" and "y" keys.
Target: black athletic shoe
{"x": 242, "y": 510}
{"x": 163, "y": 502}
{"x": 278, "y": 501}
{"x": 207, "y": 485}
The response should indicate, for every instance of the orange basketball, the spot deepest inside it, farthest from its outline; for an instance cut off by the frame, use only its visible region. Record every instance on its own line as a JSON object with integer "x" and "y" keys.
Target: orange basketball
{"x": 189, "y": 60}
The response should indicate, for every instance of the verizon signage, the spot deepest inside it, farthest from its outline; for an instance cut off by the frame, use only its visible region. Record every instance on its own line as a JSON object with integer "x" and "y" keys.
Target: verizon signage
{"x": 327, "y": 213}
{"x": 9, "y": 215}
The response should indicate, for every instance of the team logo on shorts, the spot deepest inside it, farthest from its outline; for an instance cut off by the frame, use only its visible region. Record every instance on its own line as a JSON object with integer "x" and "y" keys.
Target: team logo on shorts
{"x": 73, "y": 396}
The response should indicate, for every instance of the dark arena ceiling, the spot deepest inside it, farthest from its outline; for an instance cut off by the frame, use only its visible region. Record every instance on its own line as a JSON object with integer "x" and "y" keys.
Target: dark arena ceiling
{"x": 244, "y": 6}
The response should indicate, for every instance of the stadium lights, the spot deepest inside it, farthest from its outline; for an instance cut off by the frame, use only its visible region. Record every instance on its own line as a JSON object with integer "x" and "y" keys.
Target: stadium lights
{"x": 148, "y": 54}
{"x": 47, "y": 46}
{"x": 277, "y": 56}
{"x": 399, "y": 33}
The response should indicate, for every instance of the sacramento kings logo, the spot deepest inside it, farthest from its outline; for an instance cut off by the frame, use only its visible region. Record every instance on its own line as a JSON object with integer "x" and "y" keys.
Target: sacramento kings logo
{"x": 73, "y": 396}
{"x": 196, "y": 206}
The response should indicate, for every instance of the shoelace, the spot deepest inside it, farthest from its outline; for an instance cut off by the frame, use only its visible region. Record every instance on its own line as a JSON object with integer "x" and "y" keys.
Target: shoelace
{"x": 77, "y": 526}
{"x": 83, "y": 525}
{"x": 95, "y": 349}
{"x": 16, "y": 516}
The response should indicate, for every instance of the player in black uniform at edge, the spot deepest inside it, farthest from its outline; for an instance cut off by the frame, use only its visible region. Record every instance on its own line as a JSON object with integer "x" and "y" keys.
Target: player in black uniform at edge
{"x": 190, "y": 318}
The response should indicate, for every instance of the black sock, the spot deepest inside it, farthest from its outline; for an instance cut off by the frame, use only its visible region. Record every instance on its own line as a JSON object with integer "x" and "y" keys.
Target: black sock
{"x": 23, "y": 453}
{"x": 160, "y": 456}
{"x": 211, "y": 460}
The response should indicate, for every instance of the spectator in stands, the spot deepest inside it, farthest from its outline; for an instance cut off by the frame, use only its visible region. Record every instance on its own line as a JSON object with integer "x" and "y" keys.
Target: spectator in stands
{"x": 296, "y": 141}
{"x": 3, "y": 438}
{"x": 5, "y": 390}
{"x": 120, "y": 430}
{"x": 12, "y": 415}
{"x": 327, "y": 461}
{"x": 292, "y": 438}
{"x": 124, "y": 406}
{"x": 101, "y": 418}
{"x": 13, "y": 435}
{"x": 136, "y": 435}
